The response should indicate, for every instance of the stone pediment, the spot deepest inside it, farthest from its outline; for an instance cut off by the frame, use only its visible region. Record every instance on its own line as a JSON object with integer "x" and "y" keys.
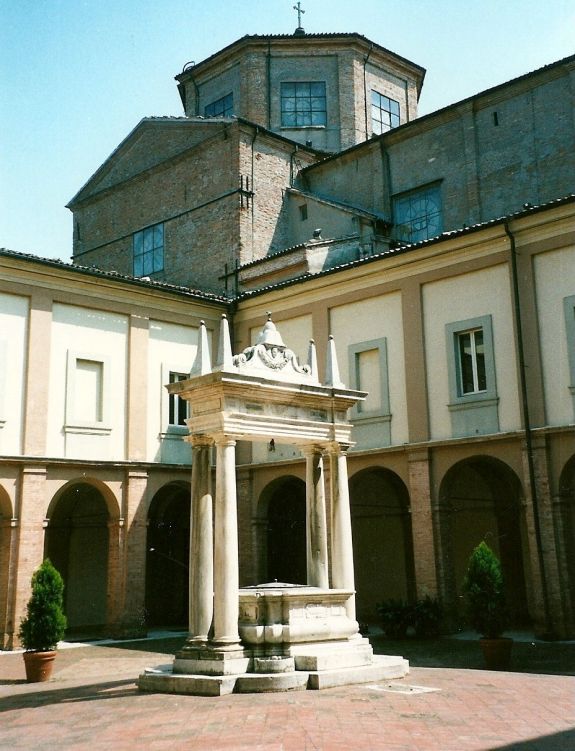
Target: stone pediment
{"x": 152, "y": 142}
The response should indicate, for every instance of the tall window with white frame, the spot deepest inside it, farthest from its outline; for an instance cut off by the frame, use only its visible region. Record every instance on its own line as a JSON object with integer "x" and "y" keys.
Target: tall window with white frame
{"x": 472, "y": 373}
{"x": 473, "y": 400}
{"x": 303, "y": 104}
{"x": 384, "y": 113}
{"x": 148, "y": 250}
{"x": 178, "y": 407}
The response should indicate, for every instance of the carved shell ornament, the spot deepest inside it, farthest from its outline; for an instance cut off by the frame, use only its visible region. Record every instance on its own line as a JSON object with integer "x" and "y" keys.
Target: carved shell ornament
{"x": 271, "y": 351}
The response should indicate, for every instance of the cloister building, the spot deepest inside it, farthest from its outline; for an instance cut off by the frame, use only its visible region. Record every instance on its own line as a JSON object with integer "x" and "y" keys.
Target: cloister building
{"x": 438, "y": 251}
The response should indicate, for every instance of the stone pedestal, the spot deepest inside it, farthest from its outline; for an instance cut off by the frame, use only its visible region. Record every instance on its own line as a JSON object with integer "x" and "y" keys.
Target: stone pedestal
{"x": 293, "y": 638}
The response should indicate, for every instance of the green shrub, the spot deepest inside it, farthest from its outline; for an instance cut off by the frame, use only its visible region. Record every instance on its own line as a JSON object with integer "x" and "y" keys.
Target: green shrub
{"x": 427, "y": 615}
{"x": 395, "y": 617}
{"x": 45, "y": 623}
{"x": 483, "y": 588}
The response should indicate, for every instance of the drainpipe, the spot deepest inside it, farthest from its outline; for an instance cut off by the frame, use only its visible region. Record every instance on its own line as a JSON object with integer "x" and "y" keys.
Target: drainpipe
{"x": 269, "y": 84}
{"x": 365, "y": 59}
{"x": 527, "y": 426}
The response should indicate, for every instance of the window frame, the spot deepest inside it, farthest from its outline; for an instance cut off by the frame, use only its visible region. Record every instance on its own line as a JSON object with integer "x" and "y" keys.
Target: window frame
{"x": 169, "y": 431}
{"x": 476, "y": 376}
{"x": 475, "y": 413}
{"x": 219, "y": 107}
{"x": 380, "y": 107}
{"x": 73, "y": 423}
{"x": 301, "y": 98}
{"x": 354, "y": 351}
{"x": 155, "y": 249}
{"x": 453, "y": 330}
{"x": 569, "y": 311}
{"x": 176, "y": 402}
{"x": 430, "y": 191}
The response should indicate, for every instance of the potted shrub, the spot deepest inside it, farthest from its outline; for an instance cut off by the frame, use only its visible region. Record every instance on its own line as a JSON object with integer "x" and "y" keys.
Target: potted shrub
{"x": 483, "y": 588}
{"x": 44, "y": 624}
{"x": 395, "y": 618}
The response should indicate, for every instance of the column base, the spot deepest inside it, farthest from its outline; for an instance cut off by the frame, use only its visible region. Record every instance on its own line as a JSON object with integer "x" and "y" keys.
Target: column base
{"x": 210, "y": 661}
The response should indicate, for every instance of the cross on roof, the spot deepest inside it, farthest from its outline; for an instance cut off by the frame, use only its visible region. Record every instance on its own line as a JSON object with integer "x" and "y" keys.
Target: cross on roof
{"x": 299, "y": 13}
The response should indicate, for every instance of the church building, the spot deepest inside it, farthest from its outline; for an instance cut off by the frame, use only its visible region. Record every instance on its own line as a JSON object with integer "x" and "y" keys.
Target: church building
{"x": 437, "y": 251}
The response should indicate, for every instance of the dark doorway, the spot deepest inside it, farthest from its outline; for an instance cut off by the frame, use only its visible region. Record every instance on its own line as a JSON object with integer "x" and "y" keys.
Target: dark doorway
{"x": 481, "y": 500}
{"x": 382, "y": 540}
{"x": 286, "y": 532}
{"x": 167, "y": 557}
{"x": 77, "y": 543}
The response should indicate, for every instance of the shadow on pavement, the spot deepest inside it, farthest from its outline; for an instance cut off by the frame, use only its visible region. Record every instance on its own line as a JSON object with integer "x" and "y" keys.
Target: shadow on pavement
{"x": 92, "y": 692}
{"x": 564, "y": 741}
{"x": 551, "y": 658}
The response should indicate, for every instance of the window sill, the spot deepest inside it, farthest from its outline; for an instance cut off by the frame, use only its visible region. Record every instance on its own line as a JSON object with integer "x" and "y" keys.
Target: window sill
{"x": 473, "y": 401}
{"x": 367, "y": 418}
{"x": 88, "y": 429}
{"x": 174, "y": 433}
{"x": 303, "y": 127}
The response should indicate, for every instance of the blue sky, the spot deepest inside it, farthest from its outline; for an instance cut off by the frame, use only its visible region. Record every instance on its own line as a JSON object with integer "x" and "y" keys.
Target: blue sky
{"x": 77, "y": 75}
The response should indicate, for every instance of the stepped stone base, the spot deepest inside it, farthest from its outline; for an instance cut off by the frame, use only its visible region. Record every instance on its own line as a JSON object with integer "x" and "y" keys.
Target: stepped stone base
{"x": 164, "y": 680}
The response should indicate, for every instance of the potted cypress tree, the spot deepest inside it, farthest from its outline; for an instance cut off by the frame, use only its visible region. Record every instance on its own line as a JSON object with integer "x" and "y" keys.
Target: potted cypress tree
{"x": 44, "y": 624}
{"x": 483, "y": 588}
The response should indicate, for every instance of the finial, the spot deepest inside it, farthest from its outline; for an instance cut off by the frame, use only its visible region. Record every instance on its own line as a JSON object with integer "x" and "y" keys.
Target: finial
{"x": 269, "y": 315}
{"x": 202, "y": 363}
{"x": 332, "y": 377}
{"x": 224, "y": 359}
{"x": 312, "y": 359}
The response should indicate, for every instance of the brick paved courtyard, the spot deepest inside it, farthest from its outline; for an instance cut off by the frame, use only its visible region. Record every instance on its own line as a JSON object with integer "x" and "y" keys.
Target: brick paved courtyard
{"x": 93, "y": 702}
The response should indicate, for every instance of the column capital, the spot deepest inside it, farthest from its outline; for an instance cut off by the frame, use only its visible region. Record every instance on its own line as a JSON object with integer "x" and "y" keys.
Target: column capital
{"x": 313, "y": 449}
{"x": 201, "y": 441}
{"x": 221, "y": 439}
{"x": 338, "y": 449}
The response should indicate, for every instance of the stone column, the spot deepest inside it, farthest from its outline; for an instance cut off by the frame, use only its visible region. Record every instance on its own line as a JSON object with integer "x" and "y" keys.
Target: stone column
{"x": 201, "y": 544}
{"x": 342, "y": 572}
{"x": 226, "y": 560}
{"x": 316, "y": 527}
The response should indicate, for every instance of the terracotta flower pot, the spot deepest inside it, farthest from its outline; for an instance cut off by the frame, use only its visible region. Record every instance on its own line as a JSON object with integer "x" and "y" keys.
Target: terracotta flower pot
{"x": 39, "y": 665}
{"x": 496, "y": 652}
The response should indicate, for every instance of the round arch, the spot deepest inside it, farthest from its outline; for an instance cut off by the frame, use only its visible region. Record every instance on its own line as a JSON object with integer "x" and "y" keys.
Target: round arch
{"x": 77, "y": 543}
{"x": 167, "y": 556}
{"x": 382, "y": 539}
{"x": 480, "y": 498}
{"x": 282, "y": 539}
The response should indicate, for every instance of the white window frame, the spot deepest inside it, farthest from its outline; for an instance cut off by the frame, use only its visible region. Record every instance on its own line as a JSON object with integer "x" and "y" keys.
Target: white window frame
{"x": 475, "y": 375}
{"x": 167, "y": 430}
{"x": 72, "y": 423}
{"x": 475, "y": 412}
